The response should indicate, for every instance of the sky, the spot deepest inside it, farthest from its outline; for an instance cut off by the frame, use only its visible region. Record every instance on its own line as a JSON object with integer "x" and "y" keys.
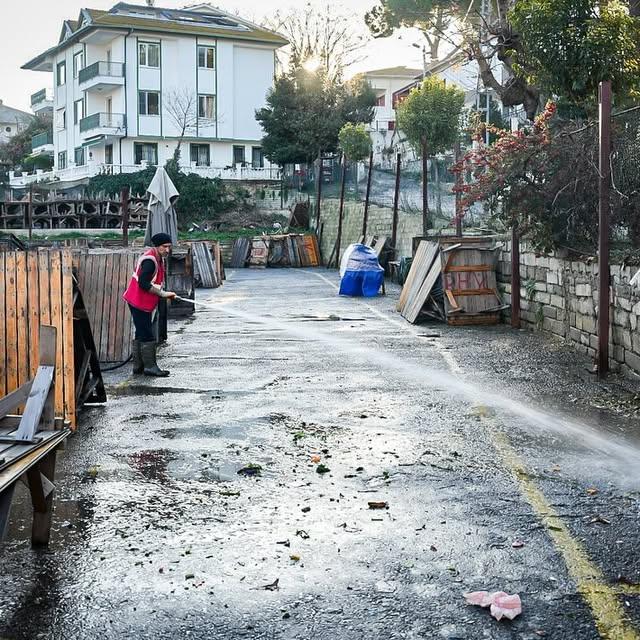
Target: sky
{"x": 29, "y": 27}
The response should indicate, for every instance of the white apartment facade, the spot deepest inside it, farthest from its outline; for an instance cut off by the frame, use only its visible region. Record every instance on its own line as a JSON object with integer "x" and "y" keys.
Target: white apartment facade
{"x": 129, "y": 83}
{"x": 385, "y": 83}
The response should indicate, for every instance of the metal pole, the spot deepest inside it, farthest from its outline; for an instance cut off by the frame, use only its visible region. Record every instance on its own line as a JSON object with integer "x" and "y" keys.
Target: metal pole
{"x": 30, "y": 211}
{"x": 425, "y": 190}
{"x": 458, "y": 153}
{"x": 366, "y": 199}
{"x": 603, "y": 241}
{"x": 339, "y": 238}
{"x": 318, "y": 192}
{"x": 515, "y": 276}
{"x": 124, "y": 203}
{"x": 396, "y": 199}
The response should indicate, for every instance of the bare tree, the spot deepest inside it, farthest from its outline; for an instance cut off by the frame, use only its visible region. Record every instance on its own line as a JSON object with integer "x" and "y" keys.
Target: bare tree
{"x": 320, "y": 34}
{"x": 182, "y": 107}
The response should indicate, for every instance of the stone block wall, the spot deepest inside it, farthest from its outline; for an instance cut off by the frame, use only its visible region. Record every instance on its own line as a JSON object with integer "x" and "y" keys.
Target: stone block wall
{"x": 380, "y": 223}
{"x": 560, "y": 296}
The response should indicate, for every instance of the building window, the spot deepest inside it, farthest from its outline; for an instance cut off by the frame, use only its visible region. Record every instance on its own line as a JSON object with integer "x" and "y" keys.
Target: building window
{"x": 381, "y": 101}
{"x": 149, "y": 103}
{"x": 257, "y": 157}
{"x": 238, "y": 155}
{"x": 61, "y": 73}
{"x": 61, "y": 119}
{"x": 391, "y": 125}
{"x": 206, "y": 57}
{"x": 78, "y": 63}
{"x": 200, "y": 155}
{"x": 62, "y": 160}
{"x": 78, "y": 156}
{"x": 149, "y": 55}
{"x": 207, "y": 107}
{"x": 78, "y": 111}
{"x": 145, "y": 152}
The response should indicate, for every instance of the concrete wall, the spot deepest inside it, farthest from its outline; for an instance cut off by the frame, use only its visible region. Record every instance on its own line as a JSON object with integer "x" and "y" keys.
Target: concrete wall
{"x": 560, "y": 296}
{"x": 380, "y": 222}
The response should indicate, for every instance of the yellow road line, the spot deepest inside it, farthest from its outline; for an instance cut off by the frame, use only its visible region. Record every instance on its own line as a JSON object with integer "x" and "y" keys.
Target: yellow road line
{"x": 602, "y": 598}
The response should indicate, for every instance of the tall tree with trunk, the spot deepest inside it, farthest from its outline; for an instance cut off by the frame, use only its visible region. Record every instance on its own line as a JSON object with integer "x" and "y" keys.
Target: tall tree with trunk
{"x": 481, "y": 31}
{"x": 320, "y": 37}
{"x": 430, "y": 118}
{"x": 356, "y": 144}
{"x": 570, "y": 46}
{"x": 182, "y": 107}
{"x": 305, "y": 112}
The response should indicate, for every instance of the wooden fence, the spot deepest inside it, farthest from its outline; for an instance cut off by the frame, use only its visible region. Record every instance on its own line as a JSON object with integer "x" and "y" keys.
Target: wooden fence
{"x": 102, "y": 278}
{"x": 36, "y": 288}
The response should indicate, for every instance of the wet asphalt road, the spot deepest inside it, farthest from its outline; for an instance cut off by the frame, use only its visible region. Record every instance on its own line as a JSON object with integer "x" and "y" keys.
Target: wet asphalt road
{"x": 157, "y": 535}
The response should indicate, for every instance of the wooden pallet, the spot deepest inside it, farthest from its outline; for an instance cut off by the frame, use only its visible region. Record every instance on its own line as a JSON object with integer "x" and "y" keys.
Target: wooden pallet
{"x": 103, "y": 276}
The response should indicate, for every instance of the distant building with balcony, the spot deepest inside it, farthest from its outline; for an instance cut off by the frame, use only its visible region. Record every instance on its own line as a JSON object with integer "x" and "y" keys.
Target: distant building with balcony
{"x": 132, "y": 82}
{"x": 12, "y": 121}
{"x": 42, "y": 102}
{"x": 385, "y": 82}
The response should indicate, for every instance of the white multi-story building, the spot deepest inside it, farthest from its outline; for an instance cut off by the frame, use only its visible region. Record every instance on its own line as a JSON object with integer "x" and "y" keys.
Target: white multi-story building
{"x": 133, "y": 82}
{"x": 385, "y": 83}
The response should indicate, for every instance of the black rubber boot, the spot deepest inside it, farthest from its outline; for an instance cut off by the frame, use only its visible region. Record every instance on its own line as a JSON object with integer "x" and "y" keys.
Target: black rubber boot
{"x": 138, "y": 365}
{"x": 151, "y": 368}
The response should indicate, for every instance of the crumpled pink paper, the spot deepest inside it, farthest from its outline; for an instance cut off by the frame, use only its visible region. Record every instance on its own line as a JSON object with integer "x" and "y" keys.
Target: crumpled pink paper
{"x": 502, "y": 604}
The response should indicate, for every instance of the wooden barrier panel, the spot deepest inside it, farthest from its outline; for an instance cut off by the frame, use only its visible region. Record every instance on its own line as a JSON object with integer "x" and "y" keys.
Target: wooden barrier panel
{"x": 102, "y": 278}
{"x": 36, "y": 288}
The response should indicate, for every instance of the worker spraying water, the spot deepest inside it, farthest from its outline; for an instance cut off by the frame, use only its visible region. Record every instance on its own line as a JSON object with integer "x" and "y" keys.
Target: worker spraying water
{"x": 142, "y": 296}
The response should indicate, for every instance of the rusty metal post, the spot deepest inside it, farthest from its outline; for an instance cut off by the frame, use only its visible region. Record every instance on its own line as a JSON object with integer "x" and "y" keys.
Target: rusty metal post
{"x": 458, "y": 153}
{"x": 425, "y": 190}
{"x": 340, "y": 213}
{"x": 124, "y": 204}
{"x": 318, "y": 192}
{"x": 603, "y": 240}
{"x": 365, "y": 219}
{"x": 515, "y": 276}
{"x": 396, "y": 204}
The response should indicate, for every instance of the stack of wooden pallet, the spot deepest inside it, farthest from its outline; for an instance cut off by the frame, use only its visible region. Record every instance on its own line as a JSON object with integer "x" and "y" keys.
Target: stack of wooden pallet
{"x": 291, "y": 250}
{"x": 454, "y": 282}
{"x": 207, "y": 264}
{"x": 424, "y": 273}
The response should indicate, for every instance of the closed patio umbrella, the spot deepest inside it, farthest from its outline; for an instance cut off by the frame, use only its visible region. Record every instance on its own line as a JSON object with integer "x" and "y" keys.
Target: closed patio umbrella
{"x": 162, "y": 214}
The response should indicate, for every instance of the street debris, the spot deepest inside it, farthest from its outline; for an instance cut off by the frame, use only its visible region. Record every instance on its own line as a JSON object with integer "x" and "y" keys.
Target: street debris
{"x": 303, "y": 534}
{"x": 315, "y": 459}
{"x": 517, "y": 544}
{"x": 250, "y": 470}
{"x": 378, "y": 505}
{"x": 272, "y": 586}
{"x": 321, "y": 468}
{"x": 501, "y": 604}
{"x": 599, "y": 520}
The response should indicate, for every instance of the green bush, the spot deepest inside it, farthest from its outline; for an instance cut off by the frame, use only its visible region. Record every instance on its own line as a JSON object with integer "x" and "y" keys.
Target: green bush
{"x": 200, "y": 198}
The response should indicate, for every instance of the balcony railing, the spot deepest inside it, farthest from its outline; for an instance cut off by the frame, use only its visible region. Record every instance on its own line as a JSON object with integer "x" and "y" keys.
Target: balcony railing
{"x": 103, "y": 121}
{"x": 101, "y": 69}
{"x": 42, "y": 139}
{"x": 38, "y": 97}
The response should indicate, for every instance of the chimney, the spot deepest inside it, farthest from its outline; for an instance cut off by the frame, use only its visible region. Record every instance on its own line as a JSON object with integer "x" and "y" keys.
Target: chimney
{"x": 150, "y": 3}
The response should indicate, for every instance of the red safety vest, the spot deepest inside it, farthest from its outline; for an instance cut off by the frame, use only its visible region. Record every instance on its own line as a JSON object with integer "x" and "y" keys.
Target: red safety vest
{"x": 138, "y": 297}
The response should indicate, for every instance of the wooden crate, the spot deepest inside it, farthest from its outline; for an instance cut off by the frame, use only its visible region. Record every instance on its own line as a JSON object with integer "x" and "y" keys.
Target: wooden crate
{"x": 470, "y": 287}
{"x": 36, "y": 288}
